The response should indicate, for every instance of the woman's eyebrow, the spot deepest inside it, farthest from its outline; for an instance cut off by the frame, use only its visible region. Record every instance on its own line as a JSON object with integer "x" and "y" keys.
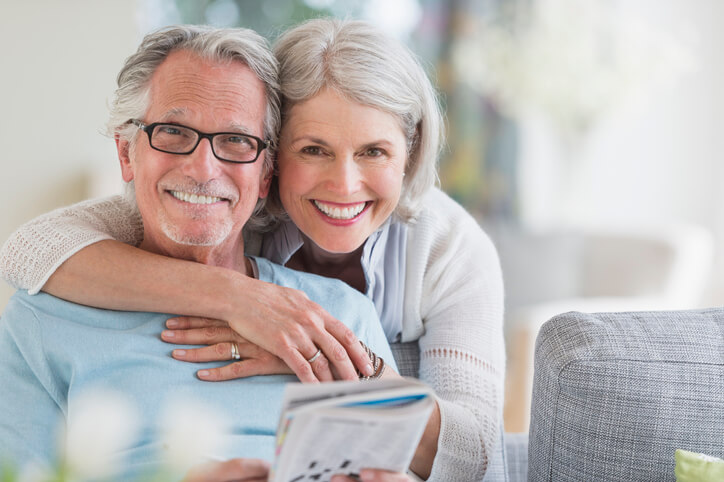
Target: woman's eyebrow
{"x": 315, "y": 140}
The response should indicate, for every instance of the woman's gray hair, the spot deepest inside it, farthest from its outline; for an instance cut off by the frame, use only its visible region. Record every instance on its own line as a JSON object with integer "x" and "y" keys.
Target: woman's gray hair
{"x": 365, "y": 66}
{"x": 216, "y": 44}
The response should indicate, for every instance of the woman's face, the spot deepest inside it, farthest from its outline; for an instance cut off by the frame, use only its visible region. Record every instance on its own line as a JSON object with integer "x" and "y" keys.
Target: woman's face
{"x": 340, "y": 169}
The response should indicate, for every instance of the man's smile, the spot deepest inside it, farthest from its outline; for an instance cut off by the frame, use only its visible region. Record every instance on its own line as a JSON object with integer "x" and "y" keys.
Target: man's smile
{"x": 196, "y": 198}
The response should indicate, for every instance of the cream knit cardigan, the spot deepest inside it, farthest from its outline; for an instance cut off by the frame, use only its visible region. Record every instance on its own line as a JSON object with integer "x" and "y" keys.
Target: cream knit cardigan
{"x": 453, "y": 306}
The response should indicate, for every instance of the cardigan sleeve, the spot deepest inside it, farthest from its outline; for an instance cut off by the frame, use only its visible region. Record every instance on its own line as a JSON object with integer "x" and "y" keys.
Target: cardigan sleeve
{"x": 454, "y": 286}
{"x": 33, "y": 253}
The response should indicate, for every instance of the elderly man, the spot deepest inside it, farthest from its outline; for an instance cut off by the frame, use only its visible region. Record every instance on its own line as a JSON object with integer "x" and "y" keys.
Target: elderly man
{"x": 191, "y": 113}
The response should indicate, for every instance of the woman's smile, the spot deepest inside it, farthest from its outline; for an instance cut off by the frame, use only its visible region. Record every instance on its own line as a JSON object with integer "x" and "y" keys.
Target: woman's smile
{"x": 341, "y": 167}
{"x": 339, "y": 211}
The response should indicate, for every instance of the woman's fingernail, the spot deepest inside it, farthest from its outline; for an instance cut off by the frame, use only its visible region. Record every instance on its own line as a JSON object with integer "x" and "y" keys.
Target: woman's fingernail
{"x": 203, "y": 373}
{"x": 179, "y": 353}
{"x": 172, "y": 323}
{"x": 369, "y": 370}
{"x": 168, "y": 334}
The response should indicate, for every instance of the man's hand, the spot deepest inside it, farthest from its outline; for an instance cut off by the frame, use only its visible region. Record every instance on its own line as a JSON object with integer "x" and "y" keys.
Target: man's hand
{"x": 244, "y": 470}
{"x": 223, "y": 342}
{"x": 374, "y": 475}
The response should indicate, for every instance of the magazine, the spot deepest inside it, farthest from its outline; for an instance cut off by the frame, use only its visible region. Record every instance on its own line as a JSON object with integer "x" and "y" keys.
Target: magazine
{"x": 342, "y": 427}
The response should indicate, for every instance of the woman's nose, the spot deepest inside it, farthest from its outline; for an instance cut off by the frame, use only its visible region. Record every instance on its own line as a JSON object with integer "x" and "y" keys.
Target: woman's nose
{"x": 345, "y": 176}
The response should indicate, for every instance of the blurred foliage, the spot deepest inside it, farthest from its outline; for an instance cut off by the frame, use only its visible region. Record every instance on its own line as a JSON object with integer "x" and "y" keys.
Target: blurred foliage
{"x": 477, "y": 166}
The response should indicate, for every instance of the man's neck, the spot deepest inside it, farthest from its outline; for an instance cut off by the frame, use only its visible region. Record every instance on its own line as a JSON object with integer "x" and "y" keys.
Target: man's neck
{"x": 228, "y": 255}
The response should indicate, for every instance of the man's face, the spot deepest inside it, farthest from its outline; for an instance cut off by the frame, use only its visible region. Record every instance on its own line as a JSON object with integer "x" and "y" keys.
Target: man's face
{"x": 196, "y": 199}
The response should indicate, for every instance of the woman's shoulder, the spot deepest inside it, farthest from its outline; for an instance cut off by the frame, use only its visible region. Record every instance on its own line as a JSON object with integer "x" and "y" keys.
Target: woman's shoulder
{"x": 442, "y": 216}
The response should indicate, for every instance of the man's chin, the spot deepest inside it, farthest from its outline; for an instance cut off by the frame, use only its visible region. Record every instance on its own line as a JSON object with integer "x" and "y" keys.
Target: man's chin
{"x": 210, "y": 237}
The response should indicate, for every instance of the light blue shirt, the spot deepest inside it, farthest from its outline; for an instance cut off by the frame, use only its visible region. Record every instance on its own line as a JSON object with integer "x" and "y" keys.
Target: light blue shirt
{"x": 52, "y": 350}
{"x": 383, "y": 263}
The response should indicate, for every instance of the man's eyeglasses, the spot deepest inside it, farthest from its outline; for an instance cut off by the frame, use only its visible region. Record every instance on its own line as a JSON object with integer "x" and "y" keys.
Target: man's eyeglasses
{"x": 178, "y": 139}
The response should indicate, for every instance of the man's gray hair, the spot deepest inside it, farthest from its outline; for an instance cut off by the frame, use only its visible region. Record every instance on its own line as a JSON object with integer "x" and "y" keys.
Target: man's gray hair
{"x": 216, "y": 44}
{"x": 365, "y": 66}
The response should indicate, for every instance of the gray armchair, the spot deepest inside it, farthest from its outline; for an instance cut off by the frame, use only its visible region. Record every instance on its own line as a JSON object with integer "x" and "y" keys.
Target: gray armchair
{"x": 614, "y": 395}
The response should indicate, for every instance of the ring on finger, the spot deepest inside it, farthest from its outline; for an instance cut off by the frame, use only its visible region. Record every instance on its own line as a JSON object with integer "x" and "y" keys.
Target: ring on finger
{"x": 315, "y": 356}
{"x": 235, "y": 352}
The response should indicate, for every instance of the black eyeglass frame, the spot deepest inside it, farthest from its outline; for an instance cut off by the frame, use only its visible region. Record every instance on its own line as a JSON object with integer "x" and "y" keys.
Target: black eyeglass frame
{"x": 148, "y": 129}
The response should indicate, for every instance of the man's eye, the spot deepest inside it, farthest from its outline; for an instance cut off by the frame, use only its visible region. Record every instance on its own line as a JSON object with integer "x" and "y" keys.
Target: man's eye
{"x": 242, "y": 140}
{"x": 169, "y": 130}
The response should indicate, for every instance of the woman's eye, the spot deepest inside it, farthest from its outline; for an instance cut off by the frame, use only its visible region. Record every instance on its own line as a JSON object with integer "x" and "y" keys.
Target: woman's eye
{"x": 374, "y": 152}
{"x": 312, "y": 150}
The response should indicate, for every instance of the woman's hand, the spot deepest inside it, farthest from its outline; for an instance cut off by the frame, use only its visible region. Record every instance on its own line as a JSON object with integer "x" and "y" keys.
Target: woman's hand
{"x": 285, "y": 322}
{"x": 374, "y": 475}
{"x": 223, "y": 343}
{"x": 246, "y": 470}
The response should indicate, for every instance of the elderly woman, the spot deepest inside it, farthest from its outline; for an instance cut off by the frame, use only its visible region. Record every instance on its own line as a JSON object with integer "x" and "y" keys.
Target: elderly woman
{"x": 353, "y": 199}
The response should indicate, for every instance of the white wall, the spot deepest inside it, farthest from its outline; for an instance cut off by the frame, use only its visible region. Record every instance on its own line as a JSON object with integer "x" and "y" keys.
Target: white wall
{"x": 659, "y": 162}
{"x": 59, "y": 62}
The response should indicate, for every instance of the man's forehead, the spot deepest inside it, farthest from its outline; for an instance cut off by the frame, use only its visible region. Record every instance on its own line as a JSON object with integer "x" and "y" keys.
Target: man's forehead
{"x": 181, "y": 115}
{"x": 187, "y": 87}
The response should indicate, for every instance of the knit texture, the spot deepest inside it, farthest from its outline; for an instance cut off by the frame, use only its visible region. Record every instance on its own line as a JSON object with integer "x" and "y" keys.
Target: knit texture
{"x": 453, "y": 307}
{"x": 33, "y": 253}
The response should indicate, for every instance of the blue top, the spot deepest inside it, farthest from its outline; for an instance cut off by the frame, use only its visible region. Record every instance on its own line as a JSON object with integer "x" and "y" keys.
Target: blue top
{"x": 383, "y": 263}
{"x": 52, "y": 350}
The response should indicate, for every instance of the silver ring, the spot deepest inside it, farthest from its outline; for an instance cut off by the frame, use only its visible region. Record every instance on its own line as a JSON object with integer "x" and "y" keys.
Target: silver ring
{"x": 235, "y": 352}
{"x": 316, "y": 355}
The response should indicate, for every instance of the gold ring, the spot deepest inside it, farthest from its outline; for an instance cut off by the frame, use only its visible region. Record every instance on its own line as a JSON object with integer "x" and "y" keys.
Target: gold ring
{"x": 235, "y": 352}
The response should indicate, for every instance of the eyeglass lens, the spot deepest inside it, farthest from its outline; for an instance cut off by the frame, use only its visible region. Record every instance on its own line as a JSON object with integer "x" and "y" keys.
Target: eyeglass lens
{"x": 181, "y": 140}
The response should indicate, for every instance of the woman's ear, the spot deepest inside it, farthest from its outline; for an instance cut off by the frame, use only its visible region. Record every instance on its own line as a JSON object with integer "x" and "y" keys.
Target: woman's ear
{"x": 123, "y": 147}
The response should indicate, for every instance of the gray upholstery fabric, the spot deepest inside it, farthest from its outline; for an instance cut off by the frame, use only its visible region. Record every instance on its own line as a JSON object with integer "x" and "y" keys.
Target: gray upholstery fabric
{"x": 407, "y": 357}
{"x": 615, "y": 394}
{"x": 516, "y": 456}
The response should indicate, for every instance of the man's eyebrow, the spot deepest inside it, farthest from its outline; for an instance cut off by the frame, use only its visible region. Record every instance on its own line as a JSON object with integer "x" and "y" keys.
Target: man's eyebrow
{"x": 175, "y": 112}
{"x": 240, "y": 129}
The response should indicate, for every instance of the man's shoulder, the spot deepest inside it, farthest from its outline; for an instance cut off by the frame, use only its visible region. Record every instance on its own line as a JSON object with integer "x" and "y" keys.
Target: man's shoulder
{"x": 332, "y": 294}
{"x": 49, "y": 310}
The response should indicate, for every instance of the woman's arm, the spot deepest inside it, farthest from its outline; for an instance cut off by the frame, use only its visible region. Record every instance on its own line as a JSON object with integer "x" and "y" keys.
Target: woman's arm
{"x": 33, "y": 252}
{"x": 110, "y": 274}
{"x": 454, "y": 285}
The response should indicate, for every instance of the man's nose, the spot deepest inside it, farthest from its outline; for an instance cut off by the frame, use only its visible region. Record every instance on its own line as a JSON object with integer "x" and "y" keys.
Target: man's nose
{"x": 202, "y": 165}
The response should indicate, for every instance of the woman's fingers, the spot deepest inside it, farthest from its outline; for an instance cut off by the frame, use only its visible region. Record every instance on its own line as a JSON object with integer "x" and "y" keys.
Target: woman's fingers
{"x": 347, "y": 351}
{"x": 246, "y": 470}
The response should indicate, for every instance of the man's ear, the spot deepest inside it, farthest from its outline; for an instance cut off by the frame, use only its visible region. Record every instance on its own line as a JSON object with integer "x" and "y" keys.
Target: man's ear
{"x": 123, "y": 147}
{"x": 265, "y": 183}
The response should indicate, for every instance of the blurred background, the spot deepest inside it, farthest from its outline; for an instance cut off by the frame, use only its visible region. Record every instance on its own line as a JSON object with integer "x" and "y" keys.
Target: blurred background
{"x": 584, "y": 136}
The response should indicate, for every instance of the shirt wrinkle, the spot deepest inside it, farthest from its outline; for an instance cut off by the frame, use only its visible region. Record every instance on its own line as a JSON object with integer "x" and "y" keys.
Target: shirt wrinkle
{"x": 383, "y": 264}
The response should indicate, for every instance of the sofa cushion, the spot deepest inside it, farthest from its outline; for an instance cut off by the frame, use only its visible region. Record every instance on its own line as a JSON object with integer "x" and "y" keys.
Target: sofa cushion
{"x": 615, "y": 394}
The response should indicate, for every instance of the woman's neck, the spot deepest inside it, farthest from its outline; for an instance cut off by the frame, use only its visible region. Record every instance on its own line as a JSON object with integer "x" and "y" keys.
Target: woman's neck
{"x": 346, "y": 267}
